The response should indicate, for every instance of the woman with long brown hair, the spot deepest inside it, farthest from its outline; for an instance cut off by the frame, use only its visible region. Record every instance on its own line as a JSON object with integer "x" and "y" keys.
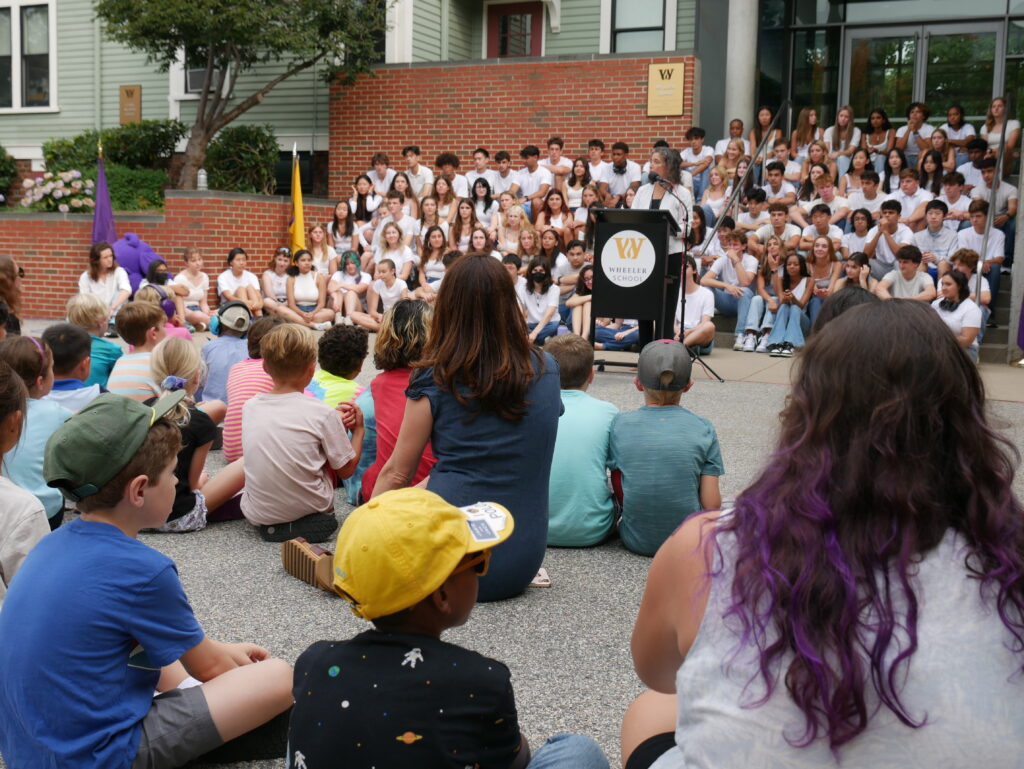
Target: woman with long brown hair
{"x": 489, "y": 405}
{"x": 10, "y": 292}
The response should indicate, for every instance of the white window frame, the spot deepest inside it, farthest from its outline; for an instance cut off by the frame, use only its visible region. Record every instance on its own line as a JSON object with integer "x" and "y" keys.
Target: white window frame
{"x": 671, "y": 22}
{"x": 51, "y": 10}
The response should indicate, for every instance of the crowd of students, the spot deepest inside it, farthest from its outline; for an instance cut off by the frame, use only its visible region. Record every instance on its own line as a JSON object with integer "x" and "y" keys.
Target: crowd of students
{"x": 465, "y": 403}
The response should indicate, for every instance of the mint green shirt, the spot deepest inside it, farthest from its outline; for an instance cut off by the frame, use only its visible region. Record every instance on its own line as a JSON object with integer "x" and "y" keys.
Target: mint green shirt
{"x": 580, "y": 507}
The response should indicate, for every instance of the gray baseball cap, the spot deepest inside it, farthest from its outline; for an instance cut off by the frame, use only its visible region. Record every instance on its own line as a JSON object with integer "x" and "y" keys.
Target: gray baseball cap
{"x": 660, "y": 356}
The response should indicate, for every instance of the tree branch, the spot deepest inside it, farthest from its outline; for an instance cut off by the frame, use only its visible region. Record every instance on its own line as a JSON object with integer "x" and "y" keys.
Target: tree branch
{"x": 253, "y": 99}
{"x": 201, "y": 112}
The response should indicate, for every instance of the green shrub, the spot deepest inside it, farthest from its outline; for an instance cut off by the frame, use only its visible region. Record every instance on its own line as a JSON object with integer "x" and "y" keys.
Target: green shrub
{"x": 145, "y": 145}
{"x": 242, "y": 159}
{"x": 8, "y": 172}
{"x": 134, "y": 189}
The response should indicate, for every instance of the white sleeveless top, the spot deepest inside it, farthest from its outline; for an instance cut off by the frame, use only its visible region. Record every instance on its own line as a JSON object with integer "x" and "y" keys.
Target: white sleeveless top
{"x": 962, "y": 677}
{"x": 305, "y": 290}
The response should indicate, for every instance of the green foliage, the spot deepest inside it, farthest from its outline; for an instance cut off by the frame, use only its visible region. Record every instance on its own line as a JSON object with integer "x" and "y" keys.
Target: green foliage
{"x": 242, "y": 159}
{"x": 8, "y": 172}
{"x": 148, "y": 144}
{"x": 134, "y": 189}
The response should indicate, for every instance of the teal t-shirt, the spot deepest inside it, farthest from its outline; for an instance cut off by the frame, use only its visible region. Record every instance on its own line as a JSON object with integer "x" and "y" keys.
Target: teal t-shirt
{"x": 24, "y": 463}
{"x": 580, "y": 506}
{"x": 104, "y": 355}
{"x": 662, "y": 452}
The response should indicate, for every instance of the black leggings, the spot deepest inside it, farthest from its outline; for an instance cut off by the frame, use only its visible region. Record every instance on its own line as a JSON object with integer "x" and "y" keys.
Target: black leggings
{"x": 650, "y": 750}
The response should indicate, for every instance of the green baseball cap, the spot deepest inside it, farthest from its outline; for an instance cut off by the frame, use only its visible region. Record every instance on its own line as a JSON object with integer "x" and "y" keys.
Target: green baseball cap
{"x": 98, "y": 442}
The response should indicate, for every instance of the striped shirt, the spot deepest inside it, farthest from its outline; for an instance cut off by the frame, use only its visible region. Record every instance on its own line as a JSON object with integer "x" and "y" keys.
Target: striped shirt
{"x": 245, "y": 379}
{"x": 131, "y": 376}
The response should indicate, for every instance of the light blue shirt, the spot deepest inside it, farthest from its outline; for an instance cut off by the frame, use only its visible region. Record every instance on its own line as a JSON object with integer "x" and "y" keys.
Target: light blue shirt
{"x": 662, "y": 452}
{"x": 220, "y": 355}
{"x": 580, "y": 506}
{"x": 24, "y": 463}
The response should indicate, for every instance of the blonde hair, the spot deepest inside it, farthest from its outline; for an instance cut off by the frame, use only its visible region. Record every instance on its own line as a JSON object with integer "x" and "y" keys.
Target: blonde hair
{"x": 524, "y": 220}
{"x": 287, "y": 350}
{"x": 175, "y": 357}
{"x": 87, "y": 311}
{"x": 149, "y": 295}
{"x": 663, "y": 397}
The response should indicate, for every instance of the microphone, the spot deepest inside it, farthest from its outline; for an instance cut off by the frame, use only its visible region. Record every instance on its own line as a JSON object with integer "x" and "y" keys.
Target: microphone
{"x": 654, "y": 178}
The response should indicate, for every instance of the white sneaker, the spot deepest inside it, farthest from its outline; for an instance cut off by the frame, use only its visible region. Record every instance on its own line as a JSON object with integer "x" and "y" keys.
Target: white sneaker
{"x": 738, "y": 345}
{"x": 347, "y": 321}
{"x": 338, "y": 318}
{"x": 762, "y": 346}
{"x": 749, "y": 343}
{"x": 323, "y": 326}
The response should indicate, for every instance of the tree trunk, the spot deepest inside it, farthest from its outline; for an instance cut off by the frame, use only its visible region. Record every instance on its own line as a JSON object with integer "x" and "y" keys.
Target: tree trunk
{"x": 195, "y": 157}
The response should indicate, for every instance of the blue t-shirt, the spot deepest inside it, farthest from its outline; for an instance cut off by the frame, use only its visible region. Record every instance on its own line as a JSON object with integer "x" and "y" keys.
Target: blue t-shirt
{"x": 104, "y": 355}
{"x": 24, "y": 463}
{"x": 354, "y": 484}
{"x": 662, "y": 452}
{"x": 89, "y": 620}
{"x": 220, "y": 355}
{"x": 490, "y": 459}
{"x": 581, "y": 507}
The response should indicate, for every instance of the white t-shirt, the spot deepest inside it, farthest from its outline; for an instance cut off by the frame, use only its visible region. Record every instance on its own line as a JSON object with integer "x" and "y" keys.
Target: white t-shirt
{"x": 24, "y": 525}
{"x": 960, "y": 133}
{"x": 900, "y": 288}
{"x": 857, "y": 200}
{"x": 722, "y": 144}
{"x": 972, "y": 176}
{"x": 599, "y": 173}
{"x": 834, "y": 205}
{"x": 765, "y": 232}
{"x": 420, "y": 179}
{"x": 853, "y": 242}
{"x": 322, "y": 261}
{"x": 726, "y": 272}
{"x": 196, "y": 291}
{"x": 389, "y": 296}
{"x": 107, "y": 287}
{"x": 1004, "y": 194}
{"x": 619, "y": 183}
{"x": 924, "y": 132}
{"x": 962, "y": 204}
{"x": 561, "y": 268}
{"x": 460, "y": 186}
{"x": 485, "y": 215}
{"x": 910, "y": 203}
{"x": 537, "y": 304}
{"x": 810, "y": 231}
{"x": 381, "y": 186}
{"x": 562, "y": 162}
{"x": 689, "y": 156}
{"x": 408, "y": 225}
{"x": 784, "y": 189}
{"x": 227, "y": 281}
{"x": 502, "y": 183}
{"x": 942, "y": 244}
{"x": 342, "y": 243}
{"x": 373, "y": 202}
{"x": 399, "y": 257}
{"x": 854, "y": 141}
{"x": 489, "y": 174}
{"x": 698, "y": 304}
{"x": 746, "y": 219}
{"x": 968, "y": 238}
{"x": 343, "y": 279}
{"x": 903, "y": 236}
{"x": 966, "y": 315}
{"x": 530, "y": 182}
{"x": 993, "y": 137}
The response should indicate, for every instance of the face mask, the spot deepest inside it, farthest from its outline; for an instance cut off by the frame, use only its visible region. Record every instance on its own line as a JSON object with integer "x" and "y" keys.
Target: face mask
{"x": 160, "y": 278}
{"x": 538, "y": 277}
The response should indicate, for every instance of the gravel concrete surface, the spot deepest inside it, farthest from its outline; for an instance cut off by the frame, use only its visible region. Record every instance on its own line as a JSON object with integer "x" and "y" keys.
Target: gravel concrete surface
{"x": 567, "y": 646}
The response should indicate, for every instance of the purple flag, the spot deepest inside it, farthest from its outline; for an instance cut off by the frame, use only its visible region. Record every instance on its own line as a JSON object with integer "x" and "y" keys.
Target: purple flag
{"x": 103, "y": 215}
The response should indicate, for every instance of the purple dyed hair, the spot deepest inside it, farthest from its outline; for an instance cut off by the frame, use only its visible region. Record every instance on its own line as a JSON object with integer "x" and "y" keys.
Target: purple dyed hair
{"x": 883, "y": 449}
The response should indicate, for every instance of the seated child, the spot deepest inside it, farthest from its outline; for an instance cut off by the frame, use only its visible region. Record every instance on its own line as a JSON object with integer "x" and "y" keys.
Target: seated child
{"x": 387, "y": 289}
{"x": 89, "y": 312}
{"x": 22, "y": 517}
{"x": 581, "y": 510}
{"x": 295, "y": 447}
{"x": 731, "y": 279}
{"x": 197, "y": 498}
{"x": 408, "y": 561}
{"x": 159, "y": 296}
{"x": 246, "y": 379}
{"x": 666, "y": 457}
{"x": 113, "y": 611}
{"x": 70, "y": 347}
{"x": 31, "y": 359}
{"x": 142, "y": 326}
{"x": 229, "y": 325}
{"x": 340, "y": 352}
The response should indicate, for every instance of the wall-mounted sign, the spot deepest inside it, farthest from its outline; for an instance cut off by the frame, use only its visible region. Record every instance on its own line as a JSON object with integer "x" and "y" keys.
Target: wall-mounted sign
{"x": 665, "y": 89}
{"x": 131, "y": 104}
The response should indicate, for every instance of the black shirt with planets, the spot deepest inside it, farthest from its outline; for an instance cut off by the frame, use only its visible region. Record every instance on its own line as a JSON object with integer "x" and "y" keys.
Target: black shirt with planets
{"x": 401, "y": 700}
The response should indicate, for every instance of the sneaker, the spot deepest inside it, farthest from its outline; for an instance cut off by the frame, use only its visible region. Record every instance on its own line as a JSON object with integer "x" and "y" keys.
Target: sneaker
{"x": 323, "y": 326}
{"x": 775, "y": 350}
{"x": 738, "y": 344}
{"x": 348, "y": 321}
{"x": 338, "y": 319}
{"x": 310, "y": 563}
{"x": 749, "y": 343}
{"x": 762, "y": 346}
{"x": 315, "y": 527}
{"x": 787, "y": 350}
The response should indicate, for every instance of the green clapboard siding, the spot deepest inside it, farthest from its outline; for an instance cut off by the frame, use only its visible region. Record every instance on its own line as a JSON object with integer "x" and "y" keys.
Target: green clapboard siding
{"x": 686, "y": 24}
{"x": 296, "y": 106}
{"x": 120, "y": 66}
{"x": 464, "y": 35}
{"x": 426, "y": 30}
{"x": 580, "y": 29}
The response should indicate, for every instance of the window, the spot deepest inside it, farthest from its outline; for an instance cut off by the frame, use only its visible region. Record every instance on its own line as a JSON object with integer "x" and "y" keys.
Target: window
{"x": 638, "y": 25}
{"x": 26, "y": 56}
{"x": 514, "y": 29}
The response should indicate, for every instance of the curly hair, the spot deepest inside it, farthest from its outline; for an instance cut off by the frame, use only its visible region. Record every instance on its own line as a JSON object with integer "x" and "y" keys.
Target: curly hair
{"x": 342, "y": 350}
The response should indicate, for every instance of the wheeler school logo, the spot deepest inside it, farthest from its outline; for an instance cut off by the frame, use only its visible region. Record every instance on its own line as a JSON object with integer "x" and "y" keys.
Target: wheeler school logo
{"x": 627, "y": 258}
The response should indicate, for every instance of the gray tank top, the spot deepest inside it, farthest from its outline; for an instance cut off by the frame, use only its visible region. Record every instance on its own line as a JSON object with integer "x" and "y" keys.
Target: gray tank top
{"x": 962, "y": 677}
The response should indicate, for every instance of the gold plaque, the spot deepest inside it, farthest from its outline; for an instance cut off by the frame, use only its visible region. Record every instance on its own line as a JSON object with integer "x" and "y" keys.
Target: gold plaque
{"x": 665, "y": 84}
{"x": 131, "y": 104}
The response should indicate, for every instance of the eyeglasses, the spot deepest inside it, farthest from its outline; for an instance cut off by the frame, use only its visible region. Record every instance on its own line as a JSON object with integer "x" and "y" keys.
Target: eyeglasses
{"x": 479, "y": 563}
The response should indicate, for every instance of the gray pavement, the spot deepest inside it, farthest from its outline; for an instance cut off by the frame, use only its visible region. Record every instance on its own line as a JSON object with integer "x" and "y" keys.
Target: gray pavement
{"x": 567, "y": 646}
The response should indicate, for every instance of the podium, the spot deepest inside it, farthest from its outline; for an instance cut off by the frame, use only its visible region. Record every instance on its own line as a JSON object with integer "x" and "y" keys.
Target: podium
{"x": 633, "y": 276}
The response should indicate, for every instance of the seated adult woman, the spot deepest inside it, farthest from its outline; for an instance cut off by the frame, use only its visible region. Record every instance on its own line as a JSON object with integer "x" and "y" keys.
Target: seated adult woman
{"x": 958, "y": 311}
{"x": 489, "y": 405}
{"x": 403, "y": 333}
{"x": 861, "y": 606}
{"x": 105, "y": 278}
{"x": 307, "y": 293}
{"x": 237, "y": 284}
{"x": 10, "y": 293}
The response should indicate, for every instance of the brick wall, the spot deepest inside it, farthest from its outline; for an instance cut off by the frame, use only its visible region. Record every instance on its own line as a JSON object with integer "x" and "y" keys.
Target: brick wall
{"x": 505, "y": 105}
{"x": 54, "y": 248}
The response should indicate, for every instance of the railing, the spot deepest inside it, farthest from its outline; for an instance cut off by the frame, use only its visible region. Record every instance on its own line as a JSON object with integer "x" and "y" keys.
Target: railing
{"x": 740, "y": 183}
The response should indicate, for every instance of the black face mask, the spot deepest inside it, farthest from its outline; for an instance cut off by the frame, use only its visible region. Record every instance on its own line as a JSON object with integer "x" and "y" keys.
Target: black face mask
{"x": 538, "y": 277}
{"x": 160, "y": 278}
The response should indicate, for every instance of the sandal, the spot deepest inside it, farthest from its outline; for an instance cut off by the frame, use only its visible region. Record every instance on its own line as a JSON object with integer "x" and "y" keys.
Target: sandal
{"x": 311, "y": 563}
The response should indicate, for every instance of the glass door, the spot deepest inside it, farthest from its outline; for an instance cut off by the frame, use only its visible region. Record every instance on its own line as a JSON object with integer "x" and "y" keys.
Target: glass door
{"x": 962, "y": 67}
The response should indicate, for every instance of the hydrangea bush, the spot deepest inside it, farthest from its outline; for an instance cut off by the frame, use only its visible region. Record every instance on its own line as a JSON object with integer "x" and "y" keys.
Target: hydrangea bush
{"x": 66, "y": 192}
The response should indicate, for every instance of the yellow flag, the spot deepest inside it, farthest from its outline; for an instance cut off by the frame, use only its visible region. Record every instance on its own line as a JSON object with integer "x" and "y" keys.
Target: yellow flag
{"x": 297, "y": 227}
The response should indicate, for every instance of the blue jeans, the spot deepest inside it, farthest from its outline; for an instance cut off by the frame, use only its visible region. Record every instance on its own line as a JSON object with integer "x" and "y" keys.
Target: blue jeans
{"x": 813, "y": 308}
{"x": 709, "y": 216}
{"x": 700, "y": 182}
{"x": 879, "y": 165}
{"x": 759, "y": 317}
{"x": 606, "y": 336}
{"x": 549, "y": 330}
{"x": 842, "y": 166}
{"x": 790, "y": 325}
{"x": 729, "y": 305}
{"x": 568, "y": 751}
{"x": 1010, "y": 231}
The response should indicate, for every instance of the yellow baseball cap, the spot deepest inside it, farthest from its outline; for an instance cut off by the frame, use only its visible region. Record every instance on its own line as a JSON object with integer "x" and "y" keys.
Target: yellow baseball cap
{"x": 400, "y": 547}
